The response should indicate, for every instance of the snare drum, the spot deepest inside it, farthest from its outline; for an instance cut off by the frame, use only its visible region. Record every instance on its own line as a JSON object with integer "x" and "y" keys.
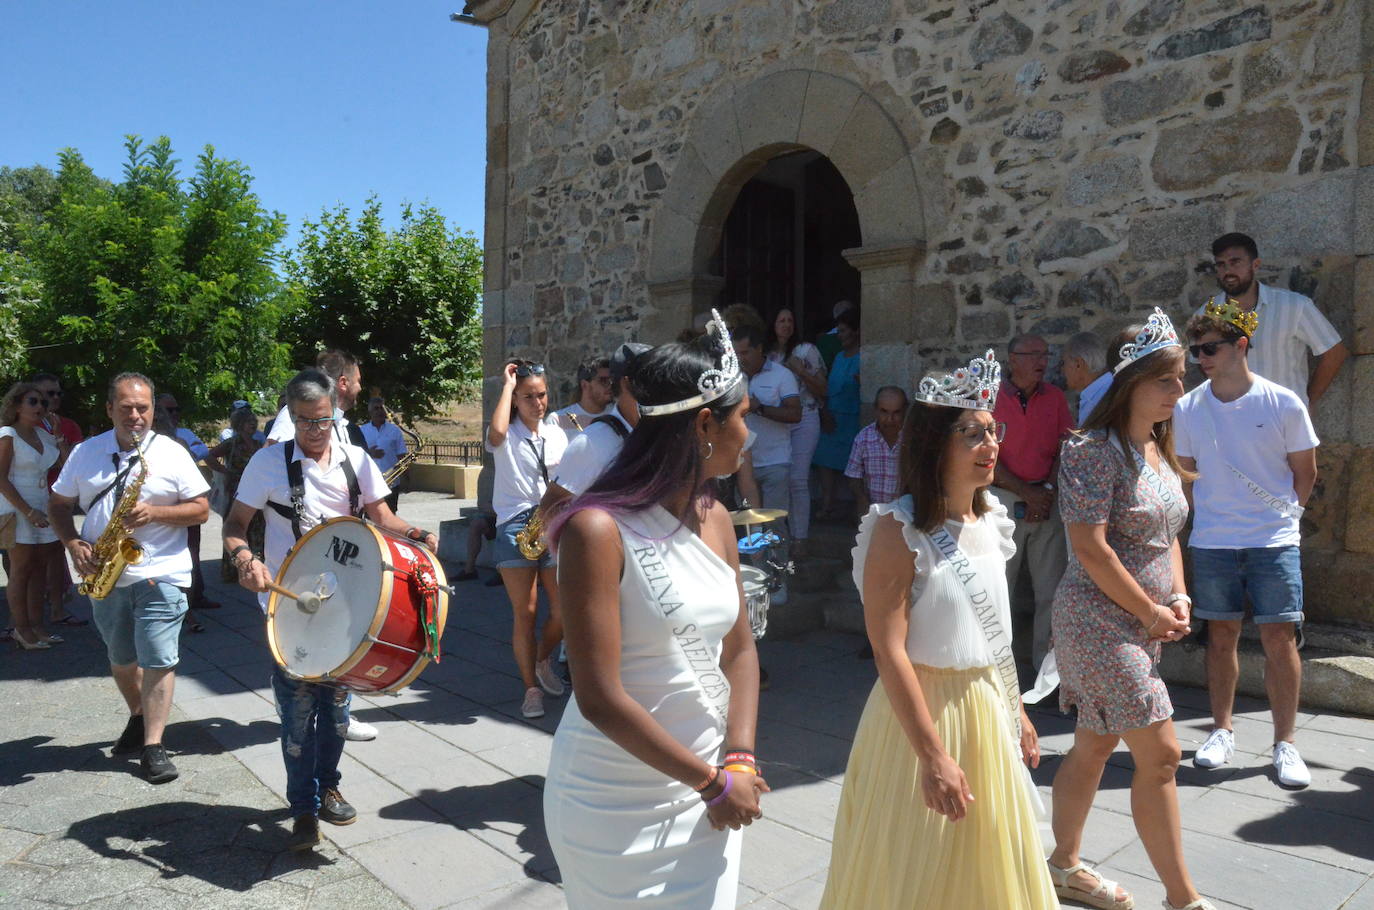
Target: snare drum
{"x": 382, "y": 615}
{"x": 755, "y": 598}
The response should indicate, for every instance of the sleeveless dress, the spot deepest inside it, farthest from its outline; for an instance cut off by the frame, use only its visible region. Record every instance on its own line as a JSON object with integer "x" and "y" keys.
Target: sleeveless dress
{"x": 891, "y": 852}
{"x": 624, "y": 834}
{"x": 843, "y": 402}
{"x": 29, "y": 474}
{"x": 1107, "y": 668}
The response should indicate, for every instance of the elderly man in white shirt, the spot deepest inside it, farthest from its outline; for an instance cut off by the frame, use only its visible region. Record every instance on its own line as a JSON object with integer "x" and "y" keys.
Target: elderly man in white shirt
{"x": 335, "y": 479}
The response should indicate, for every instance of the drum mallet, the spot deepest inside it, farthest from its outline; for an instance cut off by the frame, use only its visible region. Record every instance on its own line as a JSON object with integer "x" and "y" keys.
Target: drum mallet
{"x": 309, "y": 602}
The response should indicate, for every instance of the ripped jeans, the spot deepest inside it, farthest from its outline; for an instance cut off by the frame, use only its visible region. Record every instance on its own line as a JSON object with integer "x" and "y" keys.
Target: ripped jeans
{"x": 314, "y": 719}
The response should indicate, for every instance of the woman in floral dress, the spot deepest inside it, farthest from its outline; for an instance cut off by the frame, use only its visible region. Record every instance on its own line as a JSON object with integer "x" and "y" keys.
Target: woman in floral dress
{"x": 228, "y": 459}
{"x": 1122, "y": 596}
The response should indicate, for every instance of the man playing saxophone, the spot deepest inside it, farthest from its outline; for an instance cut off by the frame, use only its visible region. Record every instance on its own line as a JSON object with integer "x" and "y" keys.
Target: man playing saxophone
{"x": 386, "y": 445}
{"x": 134, "y": 485}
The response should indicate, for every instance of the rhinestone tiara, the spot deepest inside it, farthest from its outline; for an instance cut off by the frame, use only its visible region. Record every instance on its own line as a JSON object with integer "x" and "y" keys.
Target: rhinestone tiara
{"x": 1158, "y": 334}
{"x": 1230, "y": 312}
{"x": 713, "y": 383}
{"x": 970, "y": 388}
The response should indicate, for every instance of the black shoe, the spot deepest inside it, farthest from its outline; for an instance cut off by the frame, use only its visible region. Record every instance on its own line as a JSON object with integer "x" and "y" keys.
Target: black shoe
{"x": 335, "y": 809}
{"x": 157, "y": 767}
{"x": 305, "y": 833}
{"x": 130, "y": 742}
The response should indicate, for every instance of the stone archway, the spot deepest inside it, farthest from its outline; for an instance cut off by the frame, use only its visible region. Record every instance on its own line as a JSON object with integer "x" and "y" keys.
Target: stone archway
{"x": 734, "y": 133}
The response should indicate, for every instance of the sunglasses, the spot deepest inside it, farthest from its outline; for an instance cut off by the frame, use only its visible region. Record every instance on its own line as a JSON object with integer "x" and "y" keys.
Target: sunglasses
{"x": 529, "y": 369}
{"x": 41, "y": 402}
{"x": 973, "y": 434}
{"x": 1209, "y": 348}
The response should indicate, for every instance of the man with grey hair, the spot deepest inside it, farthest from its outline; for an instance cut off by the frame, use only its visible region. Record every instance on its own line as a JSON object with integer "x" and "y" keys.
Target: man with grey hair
{"x": 1084, "y": 360}
{"x": 298, "y": 485}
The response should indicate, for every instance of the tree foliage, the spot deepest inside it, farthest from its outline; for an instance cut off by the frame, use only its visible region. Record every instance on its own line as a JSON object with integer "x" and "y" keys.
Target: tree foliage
{"x": 168, "y": 277}
{"x": 404, "y": 301}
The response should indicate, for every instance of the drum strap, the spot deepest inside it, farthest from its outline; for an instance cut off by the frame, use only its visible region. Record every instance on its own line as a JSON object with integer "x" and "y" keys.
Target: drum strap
{"x": 295, "y": 479}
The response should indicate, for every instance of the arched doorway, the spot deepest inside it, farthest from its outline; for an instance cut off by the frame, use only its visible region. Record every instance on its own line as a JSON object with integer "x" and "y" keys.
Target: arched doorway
{"x": 784, "y": 240}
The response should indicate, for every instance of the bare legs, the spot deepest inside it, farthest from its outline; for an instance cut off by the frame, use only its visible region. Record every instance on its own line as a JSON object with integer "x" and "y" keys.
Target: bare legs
{"x": 28, "y": 578}
{"x": 1282, "y": 672}
{"x": 147, "y": 692}
{"x": 523, "y": 590}
{"x": 56, "y": 587}
{"x": 1154, "y": 802}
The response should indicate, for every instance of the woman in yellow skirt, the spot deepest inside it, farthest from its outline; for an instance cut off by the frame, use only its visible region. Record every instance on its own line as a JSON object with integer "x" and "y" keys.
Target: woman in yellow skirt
{"x": 937, "y": 810}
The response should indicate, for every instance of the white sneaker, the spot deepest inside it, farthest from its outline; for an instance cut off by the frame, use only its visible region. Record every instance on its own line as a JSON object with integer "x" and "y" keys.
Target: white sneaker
{"x": 533, "y": 706}
{"x": 1216, "y": 751}
{"x": 1291, "y": 768}
{"x": 548, "y": 677}
{"x": 359, "y": 732}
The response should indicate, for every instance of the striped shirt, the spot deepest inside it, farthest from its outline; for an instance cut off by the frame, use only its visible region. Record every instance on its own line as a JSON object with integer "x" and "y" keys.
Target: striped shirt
{"x": 1290, "y": 325}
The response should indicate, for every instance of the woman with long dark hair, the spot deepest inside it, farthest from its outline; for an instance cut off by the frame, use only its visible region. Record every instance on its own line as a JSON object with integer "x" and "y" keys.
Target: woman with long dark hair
{"x": 786, "y": 347}
{"x": 936, "y": 810}
{"x": 526, "y": 443}
{"x": 1122, "y": 596}
{"x": 653, "y": 772}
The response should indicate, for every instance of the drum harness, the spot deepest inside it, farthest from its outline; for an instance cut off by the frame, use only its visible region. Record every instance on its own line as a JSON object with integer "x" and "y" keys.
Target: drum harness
{"x": 421, "y": 575}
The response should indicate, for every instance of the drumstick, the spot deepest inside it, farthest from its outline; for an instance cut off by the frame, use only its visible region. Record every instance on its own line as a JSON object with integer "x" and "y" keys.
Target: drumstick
{"x": 308, "y": 602}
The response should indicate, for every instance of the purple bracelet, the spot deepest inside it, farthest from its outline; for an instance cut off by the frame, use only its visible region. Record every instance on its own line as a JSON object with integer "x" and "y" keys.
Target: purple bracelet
{"x": 724, "y": 792}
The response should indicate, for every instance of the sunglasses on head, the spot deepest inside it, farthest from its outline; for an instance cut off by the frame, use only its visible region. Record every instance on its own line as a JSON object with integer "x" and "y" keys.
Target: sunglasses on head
{"x": 1209, "y": 348}
{"x": 529, "y": 369}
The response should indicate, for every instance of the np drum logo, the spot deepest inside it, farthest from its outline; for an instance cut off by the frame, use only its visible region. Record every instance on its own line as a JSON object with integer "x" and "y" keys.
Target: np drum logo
{"x": 344, "y": 551}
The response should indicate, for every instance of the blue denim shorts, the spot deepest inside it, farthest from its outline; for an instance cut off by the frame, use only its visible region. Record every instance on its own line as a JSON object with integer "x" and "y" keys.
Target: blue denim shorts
{"x": 141, "y": 622}
{"x": 506, "y": 554}
{"x": 1270, "y": 576}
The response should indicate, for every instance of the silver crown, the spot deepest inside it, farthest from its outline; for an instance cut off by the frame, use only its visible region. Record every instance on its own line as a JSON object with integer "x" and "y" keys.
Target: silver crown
{"x": 713, "y": 383}
{"x": 970, "y": 388}
{"x": 1159, "y": 333}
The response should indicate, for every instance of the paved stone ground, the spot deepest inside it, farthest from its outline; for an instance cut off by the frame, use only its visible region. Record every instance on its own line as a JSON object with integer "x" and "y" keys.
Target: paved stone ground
{"x": 449, "y": 795}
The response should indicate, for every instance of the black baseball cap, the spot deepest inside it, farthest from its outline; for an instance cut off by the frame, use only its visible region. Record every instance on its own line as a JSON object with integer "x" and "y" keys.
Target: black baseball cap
{"x": 624, "y": 357}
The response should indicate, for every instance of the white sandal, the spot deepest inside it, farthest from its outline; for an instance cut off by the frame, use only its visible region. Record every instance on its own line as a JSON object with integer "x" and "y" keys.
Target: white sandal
{"x": 1201, "y": 903}
{"x": 1103, "y": 896}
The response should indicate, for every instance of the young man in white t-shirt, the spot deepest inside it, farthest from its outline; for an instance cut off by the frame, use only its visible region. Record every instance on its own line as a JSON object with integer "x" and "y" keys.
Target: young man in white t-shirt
{"x": 1252, "y": 444}
{"x": 589, "y": 454}
{"x": 595, "y": 392}
{"x": 774, "y": 407}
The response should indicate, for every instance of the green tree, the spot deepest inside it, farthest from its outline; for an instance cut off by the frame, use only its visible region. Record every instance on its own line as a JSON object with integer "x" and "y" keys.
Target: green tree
{"x": 171, "y": 279}
{"x": 405, "y": 302}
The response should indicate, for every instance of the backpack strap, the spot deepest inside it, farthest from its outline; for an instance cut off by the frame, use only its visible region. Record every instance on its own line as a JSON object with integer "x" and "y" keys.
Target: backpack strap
{"x": 615, "y": 423}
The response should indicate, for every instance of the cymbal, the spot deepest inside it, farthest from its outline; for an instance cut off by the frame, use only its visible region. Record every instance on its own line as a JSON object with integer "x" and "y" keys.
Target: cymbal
{"x": 756, "y": 516}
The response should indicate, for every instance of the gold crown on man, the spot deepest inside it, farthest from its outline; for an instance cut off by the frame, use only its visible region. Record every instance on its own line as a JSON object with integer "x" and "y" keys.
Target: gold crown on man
{"x": 1245, "y": 320}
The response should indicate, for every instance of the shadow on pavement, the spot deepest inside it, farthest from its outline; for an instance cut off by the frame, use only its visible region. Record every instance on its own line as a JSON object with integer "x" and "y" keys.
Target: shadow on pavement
{"x": 1320, "y": 819}
{"x": 22, "y": 759}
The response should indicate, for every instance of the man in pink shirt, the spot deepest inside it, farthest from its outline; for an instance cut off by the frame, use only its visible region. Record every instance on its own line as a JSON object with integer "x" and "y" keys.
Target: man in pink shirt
{"x": 1037, "y": 418}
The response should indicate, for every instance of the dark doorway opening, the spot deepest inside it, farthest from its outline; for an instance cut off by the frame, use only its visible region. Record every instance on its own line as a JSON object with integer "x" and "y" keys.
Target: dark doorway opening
{"x": 783, "y": 241}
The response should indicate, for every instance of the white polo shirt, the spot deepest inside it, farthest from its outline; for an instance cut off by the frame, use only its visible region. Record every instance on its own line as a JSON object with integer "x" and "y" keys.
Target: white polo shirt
{"x": 284, "y": 428}
{"x": 584, "y": 418}
{"x": 588, "y": 456}
{"x": 1290, "y": 325}
{"x": 1255, "y": 433}
{"x": 326, "y": 493}
{"x": 172, "y": 478}
{"x": 771, "y": 385}
{"x": 519, "y": 484}
{"x": 389, "y": 439}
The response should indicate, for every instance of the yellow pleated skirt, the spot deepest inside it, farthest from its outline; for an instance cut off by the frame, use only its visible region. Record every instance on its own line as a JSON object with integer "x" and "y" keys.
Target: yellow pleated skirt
{"x": 892, "y": 853}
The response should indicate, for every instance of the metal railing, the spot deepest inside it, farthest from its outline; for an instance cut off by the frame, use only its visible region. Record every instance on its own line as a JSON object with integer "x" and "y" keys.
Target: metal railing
{"x": 467, "y": 452}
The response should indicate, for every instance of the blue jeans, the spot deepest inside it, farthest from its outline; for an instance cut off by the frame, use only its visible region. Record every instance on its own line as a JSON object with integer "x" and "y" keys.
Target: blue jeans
{"x": 141, "y": 622}
{"x": 314, "y": 719}
{"x": 1270, "y": 576}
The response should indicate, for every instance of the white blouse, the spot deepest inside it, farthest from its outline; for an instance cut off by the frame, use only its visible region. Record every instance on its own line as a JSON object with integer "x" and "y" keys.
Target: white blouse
{"x": 942, "y": 630}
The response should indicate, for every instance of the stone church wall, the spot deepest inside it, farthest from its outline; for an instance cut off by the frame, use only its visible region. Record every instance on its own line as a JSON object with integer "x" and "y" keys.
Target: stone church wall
{"x": 1050, "y": 166}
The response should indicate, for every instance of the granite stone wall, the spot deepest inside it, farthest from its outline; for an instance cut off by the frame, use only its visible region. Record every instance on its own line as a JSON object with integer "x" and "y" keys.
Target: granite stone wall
{"x": 1051, "y": 166}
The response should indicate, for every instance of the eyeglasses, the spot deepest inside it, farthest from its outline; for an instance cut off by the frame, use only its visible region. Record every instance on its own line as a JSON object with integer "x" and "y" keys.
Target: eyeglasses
{"x": 973, "y": 434}
{"x": 317, "y": 425}
{"x": 529, "y": 369}
{"x": 1209, "y": 348}
{"x": 41, "y": 402}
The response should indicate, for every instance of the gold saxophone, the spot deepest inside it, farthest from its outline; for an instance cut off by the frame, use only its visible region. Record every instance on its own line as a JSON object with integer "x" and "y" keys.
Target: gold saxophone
{"x": 529, "y": 540}
{"x": 116, "y": 548}
{"x": 405, "y": 461}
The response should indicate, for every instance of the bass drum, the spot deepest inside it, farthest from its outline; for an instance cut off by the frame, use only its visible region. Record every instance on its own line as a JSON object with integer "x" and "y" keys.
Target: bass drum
{"x": 382, "y": 611}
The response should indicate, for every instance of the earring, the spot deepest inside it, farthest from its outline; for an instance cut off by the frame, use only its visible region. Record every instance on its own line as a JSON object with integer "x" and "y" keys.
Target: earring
{"x": 710, "y": 450}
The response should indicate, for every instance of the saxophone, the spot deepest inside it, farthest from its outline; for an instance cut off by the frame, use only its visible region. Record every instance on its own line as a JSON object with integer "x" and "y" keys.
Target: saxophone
{"x": 116, "y": 547}
{"x": 405, "y": 461}
{"x": 530, "y": 539}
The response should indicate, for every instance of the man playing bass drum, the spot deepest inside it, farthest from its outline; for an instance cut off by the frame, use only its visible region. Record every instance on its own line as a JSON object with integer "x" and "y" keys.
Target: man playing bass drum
{"x": 299, "y": 485}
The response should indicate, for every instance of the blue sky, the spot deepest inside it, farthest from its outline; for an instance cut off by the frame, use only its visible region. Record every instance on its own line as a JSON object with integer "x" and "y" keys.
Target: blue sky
{"x": 325, "y": 102}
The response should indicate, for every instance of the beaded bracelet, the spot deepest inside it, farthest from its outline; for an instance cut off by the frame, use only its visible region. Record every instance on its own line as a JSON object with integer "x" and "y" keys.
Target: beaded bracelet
{"x": 724, "y": 791}
{"x": 710, "y": 779}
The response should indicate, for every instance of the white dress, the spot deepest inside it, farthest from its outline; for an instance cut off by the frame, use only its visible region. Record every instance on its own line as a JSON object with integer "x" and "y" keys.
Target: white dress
{"x": 29, "y": 474}
{"x": 624, "y": 834}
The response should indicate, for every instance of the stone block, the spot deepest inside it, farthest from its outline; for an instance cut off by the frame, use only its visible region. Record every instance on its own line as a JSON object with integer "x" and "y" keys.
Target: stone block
{"x": 1248, "y": 25}
{"x": 1094, "y": 181}
{"x": 769, "y": 109}
{"x": 1152, "y": 17}
{"x": 1312, "y": 219}
{"x": 1336, "y": 48}
{"x": 999, "y": 37}
{"x": 1362, "y": 400}
{"x": 889, "y": 206}
{"x": 990, "y": 325}
{"x": 1364, "y": 211}
{"x": 1085, "y": 66}
{"x": 1069, "y": 238}
{"x": 1094, "y": 293}
{"x": 869, "y": 144}
{"x": 1359, "y": 505}
{"x": 933, "y": 314}
{"x": 829, "y": 101}
{"x": 1039, "y": 126}
{"x": 1270, "y": 67}
{"x": 1194, "y": 156}
{"x": 1362, "y": 317}
{"x": 1128, "y": 100}
{"x": 1166, "y": 286}
{"x": 1182, "y": 232}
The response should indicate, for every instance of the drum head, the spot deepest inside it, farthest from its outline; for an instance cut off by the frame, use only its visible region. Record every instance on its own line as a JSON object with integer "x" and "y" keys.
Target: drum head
{"x": 345, "y": 556}
{"x": 755, "y": 580}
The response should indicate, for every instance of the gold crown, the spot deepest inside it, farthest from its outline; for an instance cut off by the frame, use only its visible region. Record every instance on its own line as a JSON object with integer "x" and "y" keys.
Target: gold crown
{"x": 1245, "y": 320}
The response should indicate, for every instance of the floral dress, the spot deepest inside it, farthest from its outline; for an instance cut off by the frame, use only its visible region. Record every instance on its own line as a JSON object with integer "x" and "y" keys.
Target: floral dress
{"x": 235, "y": 460}
{"x": 1107, "y": 669}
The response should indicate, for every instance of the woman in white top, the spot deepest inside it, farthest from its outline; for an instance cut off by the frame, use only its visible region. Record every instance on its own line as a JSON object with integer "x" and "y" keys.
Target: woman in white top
{"x": 804, "y": 360}
{"x": 936, "y": 810}
{"x": 652, "y": 772}
{"x": 526, "y": 446}
{"x": 27, "y": 451}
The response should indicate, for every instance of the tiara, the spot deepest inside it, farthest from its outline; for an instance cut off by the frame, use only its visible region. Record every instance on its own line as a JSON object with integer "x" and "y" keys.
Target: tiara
{"x": 712, "y": 384}
{"x": 1158, "y": 334}
{"x": 1230, "y": 312}
{"x": 970, "y": 388}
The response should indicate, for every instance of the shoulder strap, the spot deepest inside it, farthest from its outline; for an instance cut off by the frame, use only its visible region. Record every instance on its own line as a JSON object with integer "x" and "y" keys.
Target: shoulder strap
{"x": 354, "y": 491}
{"x": 295, "y": 479}
{"x": 615, "y": 423}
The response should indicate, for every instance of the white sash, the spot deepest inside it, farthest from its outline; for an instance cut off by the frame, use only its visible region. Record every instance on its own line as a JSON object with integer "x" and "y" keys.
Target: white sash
{"x": 1290, "y": 510}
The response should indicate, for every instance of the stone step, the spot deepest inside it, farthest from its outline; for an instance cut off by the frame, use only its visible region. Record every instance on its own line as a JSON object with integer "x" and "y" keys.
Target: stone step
{"x": 1331, "y": 680}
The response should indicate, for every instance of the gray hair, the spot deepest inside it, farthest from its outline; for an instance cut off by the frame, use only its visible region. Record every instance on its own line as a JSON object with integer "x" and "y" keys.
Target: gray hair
{"x": 309, "y": 386}
{"x": 129, "y": 377}
{"x": 891, "y": 390}
{"x": 1090, "y": 349}
{"x": 1018, "y": 340}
